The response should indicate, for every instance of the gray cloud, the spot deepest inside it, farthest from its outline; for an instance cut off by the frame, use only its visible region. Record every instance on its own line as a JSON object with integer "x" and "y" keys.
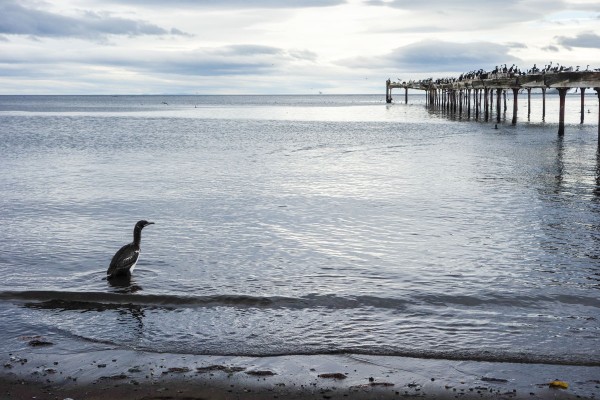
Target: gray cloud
{"x": 220, "y": 61}
{"x": 584, "y": 39}
{"x": 227, "y": 60}
{"x": 16, "y": 19}
{"x": 442, "y": 6}
{"x": 551, "y": 48}
{"x": 241, "y": 50}
{"x": 439, "y": 5}
{"x": 305, "y": 55}
{"x": 440, "y": 56}
{"x": 465, "y": 14}
{"x": 410, "y": 29}
{"x": 235, "y": 3}
{"x": 515, "y": 45}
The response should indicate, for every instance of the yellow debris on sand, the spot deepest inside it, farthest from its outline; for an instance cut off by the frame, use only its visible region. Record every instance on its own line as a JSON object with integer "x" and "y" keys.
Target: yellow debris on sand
{"x": 556, "y": 384}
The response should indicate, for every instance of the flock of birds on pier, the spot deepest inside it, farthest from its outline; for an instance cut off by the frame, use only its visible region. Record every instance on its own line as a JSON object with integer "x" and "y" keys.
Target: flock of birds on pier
{"x": 504, "y": 71}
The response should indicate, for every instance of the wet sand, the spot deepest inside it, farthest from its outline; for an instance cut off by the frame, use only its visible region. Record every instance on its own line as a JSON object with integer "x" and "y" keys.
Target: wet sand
{"x": 47, "y": 373}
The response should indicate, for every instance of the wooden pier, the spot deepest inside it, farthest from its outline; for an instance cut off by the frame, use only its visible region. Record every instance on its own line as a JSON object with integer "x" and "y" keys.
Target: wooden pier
{"x": 477, "y": 94}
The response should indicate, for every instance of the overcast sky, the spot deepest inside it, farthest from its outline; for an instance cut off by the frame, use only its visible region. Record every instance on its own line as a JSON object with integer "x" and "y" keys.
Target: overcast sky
{"x": 279, "y": 46}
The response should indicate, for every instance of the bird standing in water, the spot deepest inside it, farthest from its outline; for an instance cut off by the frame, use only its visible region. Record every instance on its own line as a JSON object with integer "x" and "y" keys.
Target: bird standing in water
{"x": 123, "y": 262}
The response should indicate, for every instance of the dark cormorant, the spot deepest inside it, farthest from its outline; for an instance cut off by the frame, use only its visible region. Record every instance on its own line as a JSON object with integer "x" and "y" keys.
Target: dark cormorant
{"x": 123, "y": 262}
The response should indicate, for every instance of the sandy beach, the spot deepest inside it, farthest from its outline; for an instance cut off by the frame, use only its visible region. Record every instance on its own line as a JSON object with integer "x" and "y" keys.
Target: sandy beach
{"x": 47, "y": 373}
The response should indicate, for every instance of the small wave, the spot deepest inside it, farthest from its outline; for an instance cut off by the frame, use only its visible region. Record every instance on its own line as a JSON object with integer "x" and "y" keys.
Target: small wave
{"x": 111, "y": 300}
{"x": 506, "y": 299}
{"x": 108, "y": 300}
{"x": 317, "y": 338}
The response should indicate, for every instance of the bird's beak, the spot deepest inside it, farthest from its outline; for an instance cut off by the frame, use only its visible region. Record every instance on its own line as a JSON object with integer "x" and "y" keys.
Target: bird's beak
{"x": 149, "y": 223}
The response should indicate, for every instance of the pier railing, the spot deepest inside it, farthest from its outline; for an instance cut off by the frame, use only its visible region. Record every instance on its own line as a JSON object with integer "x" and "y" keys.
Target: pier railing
{"x": 460, "y": 94}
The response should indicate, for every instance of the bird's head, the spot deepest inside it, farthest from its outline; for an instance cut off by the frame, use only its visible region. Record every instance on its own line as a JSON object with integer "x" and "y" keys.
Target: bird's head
{"x": 141, "y": 224}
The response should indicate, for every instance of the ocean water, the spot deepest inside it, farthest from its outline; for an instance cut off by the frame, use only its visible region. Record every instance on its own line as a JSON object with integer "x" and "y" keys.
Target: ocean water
{"x": 301, "y": 225}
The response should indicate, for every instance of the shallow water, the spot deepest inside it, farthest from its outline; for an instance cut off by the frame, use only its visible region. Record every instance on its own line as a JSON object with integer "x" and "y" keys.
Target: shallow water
{"x": 301, "y": 225}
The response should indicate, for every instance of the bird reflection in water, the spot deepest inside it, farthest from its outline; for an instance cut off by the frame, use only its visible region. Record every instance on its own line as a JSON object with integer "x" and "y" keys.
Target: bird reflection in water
{"x": 127, "y": 312}
{"x": 124, "y": 284}
{"x": 597, "y": 188}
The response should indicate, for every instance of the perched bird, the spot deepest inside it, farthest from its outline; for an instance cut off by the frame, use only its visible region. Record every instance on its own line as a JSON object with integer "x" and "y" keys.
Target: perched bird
{"x": 123, "y": 262}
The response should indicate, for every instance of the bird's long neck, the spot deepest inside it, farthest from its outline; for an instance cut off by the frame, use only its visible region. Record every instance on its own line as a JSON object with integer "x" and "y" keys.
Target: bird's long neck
{"x": 137, "y": 236}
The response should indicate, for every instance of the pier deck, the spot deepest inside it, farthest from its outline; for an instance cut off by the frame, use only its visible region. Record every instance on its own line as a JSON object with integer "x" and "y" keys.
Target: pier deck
{"x": 458, "y": 94}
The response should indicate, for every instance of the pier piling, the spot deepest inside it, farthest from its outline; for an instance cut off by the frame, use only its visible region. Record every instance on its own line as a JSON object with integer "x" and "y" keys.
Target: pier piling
{"x": 562, "y": 92}
{"x": 528, "y": 104}
{"x": 543, "y": 104}
{"x": 498, "y": 103}
{"x": 388, "y": 91}
{"x": 487, "y": 104}
{"x": 597, "y": 89}
{"x": 515, "y": 105}
{"x": 468, "y": 103}
{"x": 582, "y": 104}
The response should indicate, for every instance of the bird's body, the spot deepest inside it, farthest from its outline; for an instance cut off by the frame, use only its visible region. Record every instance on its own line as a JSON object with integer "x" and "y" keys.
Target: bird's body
{"x": 124, "y": 260}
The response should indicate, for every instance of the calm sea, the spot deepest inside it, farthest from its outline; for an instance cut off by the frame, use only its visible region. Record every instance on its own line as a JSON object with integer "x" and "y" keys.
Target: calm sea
{"x": 301, "y": 225}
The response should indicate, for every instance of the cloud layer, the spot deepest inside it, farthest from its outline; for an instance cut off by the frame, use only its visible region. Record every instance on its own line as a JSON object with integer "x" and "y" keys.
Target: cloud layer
{"x": 15, "y": 19}
{"x": 272, "y": 46}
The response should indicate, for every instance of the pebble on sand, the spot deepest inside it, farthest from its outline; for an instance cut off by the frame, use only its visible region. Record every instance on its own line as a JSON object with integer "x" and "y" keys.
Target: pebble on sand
{"x": 334, "y": 375}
